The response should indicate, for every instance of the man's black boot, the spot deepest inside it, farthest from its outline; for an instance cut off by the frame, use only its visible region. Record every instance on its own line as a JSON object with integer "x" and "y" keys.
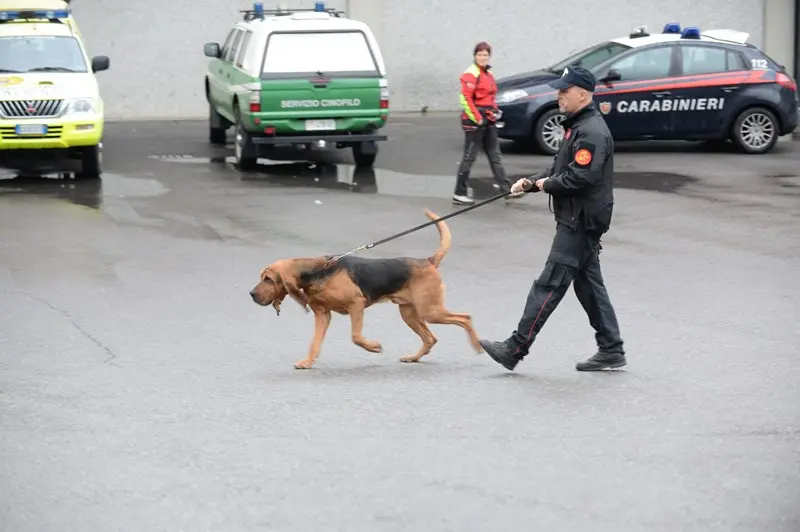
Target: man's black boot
{"x": 600, "y": 361}
{"x": 500, "y": 353}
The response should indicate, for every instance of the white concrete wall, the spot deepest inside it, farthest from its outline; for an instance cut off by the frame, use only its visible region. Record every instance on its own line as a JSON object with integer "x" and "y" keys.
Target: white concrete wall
{"x": 779, "y": 17}
{"x": 157, "y": 61}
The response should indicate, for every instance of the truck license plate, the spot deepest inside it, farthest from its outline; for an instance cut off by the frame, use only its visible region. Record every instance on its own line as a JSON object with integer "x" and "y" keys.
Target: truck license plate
{"x": 31, "y": 129}
{"x": 320, "y": 125}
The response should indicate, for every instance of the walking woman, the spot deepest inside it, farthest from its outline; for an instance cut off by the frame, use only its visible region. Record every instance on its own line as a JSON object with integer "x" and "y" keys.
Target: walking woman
{"x": 479, "y": 122}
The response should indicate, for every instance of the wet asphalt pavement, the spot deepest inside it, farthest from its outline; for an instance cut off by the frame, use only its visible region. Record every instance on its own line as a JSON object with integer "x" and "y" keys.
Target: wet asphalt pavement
{"x": 142, "y": 390}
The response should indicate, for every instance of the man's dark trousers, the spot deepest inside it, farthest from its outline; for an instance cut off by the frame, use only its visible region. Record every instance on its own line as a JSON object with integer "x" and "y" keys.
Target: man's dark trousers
{"x": 574, "y": 259}
{"x": 482, "y": 137}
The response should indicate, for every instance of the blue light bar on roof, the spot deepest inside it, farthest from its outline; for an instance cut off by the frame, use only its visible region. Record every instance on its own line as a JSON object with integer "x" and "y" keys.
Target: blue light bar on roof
{"x": 690, "y": 33}
{"x": 45, "y": 14}
{"x": 258, "y": 9}
{"x": 319, "y": 6}
{"x": 672, "y": 27}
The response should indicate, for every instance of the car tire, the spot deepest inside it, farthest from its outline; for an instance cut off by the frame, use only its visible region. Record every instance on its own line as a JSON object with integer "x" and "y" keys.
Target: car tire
{"x": 547, "y": 132}
{"x": 755, "y": 130}
{"x": 91, "y": 162}
{"x": 365, "y": 153}
{"x": 245, "y": 151}
{"x": 216, "y": 133}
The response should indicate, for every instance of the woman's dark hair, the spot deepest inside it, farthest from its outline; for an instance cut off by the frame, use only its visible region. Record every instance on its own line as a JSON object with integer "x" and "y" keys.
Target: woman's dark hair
{"x": 483, "y": 45}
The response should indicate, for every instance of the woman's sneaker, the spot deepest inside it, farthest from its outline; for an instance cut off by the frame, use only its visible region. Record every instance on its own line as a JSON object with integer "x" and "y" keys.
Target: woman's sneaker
{"x": 462, "y": 200}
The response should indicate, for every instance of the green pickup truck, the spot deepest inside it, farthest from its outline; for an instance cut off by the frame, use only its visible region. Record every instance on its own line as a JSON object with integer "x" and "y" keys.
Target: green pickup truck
{"x": 301, "y": 78}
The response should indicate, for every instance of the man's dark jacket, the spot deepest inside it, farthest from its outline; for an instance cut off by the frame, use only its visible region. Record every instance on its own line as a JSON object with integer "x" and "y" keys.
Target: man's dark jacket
{"x": 580, "y": 180}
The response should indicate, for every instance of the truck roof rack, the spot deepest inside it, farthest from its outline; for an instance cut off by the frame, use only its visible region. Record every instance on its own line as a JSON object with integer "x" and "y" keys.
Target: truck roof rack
{"x": 258, "y": 11}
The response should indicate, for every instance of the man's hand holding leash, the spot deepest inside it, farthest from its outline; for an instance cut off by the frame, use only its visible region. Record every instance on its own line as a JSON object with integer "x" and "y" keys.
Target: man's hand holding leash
{"x": 527, "y": 185}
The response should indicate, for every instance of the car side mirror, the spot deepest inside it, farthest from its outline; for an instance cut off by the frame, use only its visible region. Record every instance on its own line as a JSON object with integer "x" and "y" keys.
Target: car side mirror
{"x": 613, "y": 75}
{"x": 100, "y": 62}
{"x": 211, "y": 49}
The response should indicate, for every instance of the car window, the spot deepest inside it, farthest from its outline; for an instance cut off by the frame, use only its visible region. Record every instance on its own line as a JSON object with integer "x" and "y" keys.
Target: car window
{"x": 737, "y": 61}
{"x": 319, "y": 51}
{"x": 703, "y": 60}
{"x": 652, "y": 63}
{"x": 591, "y": 57}
{"x": 243, "y": 48}
{"x": 234, "y": 46}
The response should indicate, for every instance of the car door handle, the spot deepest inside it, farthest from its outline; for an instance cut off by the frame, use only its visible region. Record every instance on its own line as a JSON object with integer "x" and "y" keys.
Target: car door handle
{"x": 662, "y": 93}
{"x": 731, "y": 88}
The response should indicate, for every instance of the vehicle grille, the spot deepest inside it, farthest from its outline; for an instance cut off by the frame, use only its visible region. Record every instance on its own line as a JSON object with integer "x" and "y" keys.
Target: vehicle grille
{"x": 31, "y": 108}
{"x": 9, "y": 133}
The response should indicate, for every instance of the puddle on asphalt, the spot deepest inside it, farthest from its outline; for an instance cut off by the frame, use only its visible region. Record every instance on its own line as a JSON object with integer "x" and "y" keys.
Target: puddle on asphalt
{"x": 87, "y": 193}
{"x": 304, "y": 173}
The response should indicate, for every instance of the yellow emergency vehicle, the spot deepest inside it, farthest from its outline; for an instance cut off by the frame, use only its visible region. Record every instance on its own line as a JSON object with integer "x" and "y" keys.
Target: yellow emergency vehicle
{"x": 51, "y": 110}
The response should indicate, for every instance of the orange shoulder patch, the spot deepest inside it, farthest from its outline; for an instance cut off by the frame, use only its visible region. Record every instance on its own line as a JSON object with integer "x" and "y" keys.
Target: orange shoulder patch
{"x": 583, "y": 157}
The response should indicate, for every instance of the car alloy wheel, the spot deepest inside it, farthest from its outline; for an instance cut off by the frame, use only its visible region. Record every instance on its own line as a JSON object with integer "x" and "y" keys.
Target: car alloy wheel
{"x": 757, "y": 131}
{"x": 553, "y": 131}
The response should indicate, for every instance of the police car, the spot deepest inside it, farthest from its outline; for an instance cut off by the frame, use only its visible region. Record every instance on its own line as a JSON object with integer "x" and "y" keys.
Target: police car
{"x": 50, "y": 105}
{"x": 307, "y": 78}
{"x": 680, "y": 84}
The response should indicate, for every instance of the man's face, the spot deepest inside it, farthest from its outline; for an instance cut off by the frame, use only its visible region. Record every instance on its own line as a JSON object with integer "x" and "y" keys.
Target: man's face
{"x": 572, "y": 99}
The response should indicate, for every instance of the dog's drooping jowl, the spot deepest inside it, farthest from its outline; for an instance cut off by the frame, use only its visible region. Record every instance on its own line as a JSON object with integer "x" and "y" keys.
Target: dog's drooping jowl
{"x": 350, "y": 285}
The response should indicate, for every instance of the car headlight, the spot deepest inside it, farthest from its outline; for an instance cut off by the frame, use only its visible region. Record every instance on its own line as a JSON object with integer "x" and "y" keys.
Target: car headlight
{"x": 80, "y": 106}
{"x": 511, "y": 96}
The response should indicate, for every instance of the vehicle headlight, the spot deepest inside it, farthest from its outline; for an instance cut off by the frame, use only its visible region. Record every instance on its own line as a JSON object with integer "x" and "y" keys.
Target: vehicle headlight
{"x": 80, "y": 106}
{"x": 511, "y": 96}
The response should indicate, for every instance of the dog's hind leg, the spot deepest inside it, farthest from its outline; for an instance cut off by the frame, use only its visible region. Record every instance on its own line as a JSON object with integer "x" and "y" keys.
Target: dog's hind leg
{"x": 409, "y": 316}
{"x": 356, "y": 312}
{"x": 440, "y": 315}
{"x": 322, "y": 320}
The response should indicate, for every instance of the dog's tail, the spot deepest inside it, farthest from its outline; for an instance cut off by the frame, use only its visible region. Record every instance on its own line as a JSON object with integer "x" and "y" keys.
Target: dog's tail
{"x": 444, "y": 239}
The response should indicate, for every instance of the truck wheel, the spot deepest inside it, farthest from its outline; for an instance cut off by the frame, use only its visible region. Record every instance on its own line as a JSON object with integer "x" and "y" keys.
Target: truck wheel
{"x": 755, "y": 130}
{"x": 90, "y": 163}
{"x": 548, "y": 132}
{"x": 245, "y": 150}
{"x": 216, "y": 131}
{"x": 364, "y": 153}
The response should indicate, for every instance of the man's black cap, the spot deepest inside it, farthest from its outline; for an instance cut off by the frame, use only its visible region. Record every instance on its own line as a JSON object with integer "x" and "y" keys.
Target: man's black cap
{"x": 575, "y": 76}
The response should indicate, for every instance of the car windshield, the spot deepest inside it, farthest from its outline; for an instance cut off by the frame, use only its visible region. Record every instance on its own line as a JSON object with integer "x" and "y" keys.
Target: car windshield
{"x": 304, "y": 53}
{"x": 591, "y": 57}
{"x": 41, "y": 54}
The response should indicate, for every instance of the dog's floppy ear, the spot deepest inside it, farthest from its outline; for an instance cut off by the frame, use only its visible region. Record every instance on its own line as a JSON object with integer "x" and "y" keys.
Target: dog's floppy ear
{"x": 289, "y": 283}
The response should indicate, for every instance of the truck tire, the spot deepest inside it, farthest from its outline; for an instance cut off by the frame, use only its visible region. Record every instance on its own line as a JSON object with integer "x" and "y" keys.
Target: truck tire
{"x": 90, "y": 163}
{"x": 364, "y": 153}
{"x": 216, "y": 131}
{"x": 245, "y": 151}
{"x": 755, "y": 130}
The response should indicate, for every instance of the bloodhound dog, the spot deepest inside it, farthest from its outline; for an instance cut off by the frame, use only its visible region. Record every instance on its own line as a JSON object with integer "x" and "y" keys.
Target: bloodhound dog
{"x": 350, "y": 285}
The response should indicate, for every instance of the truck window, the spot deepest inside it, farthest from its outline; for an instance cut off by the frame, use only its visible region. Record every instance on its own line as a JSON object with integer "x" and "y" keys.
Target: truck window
{"x": 331, "y": 53}
{"x": 41, "y": 54}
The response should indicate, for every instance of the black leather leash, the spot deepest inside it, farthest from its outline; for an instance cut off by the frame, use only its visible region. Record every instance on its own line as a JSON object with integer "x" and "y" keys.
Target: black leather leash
{"x": 421, "y": 226}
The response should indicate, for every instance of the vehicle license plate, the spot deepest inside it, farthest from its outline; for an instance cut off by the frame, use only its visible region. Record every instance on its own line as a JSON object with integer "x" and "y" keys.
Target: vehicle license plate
{"x": 31, "y": 129}
{"x": 319, "y": 125}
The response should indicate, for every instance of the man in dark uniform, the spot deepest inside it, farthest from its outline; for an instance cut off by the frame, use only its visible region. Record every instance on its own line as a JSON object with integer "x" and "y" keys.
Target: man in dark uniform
{"x": 580, "y": 185}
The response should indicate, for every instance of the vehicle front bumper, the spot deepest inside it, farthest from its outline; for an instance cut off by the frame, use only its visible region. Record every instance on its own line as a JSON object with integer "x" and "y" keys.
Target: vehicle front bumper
{"x": 516, "y": 121}
{"x": 62, "y": 133}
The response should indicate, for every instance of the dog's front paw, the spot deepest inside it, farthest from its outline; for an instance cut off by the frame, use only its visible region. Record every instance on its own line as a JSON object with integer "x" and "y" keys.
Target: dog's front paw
{"x": 373, "y": 347}
{"x": 304, "y": 364}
